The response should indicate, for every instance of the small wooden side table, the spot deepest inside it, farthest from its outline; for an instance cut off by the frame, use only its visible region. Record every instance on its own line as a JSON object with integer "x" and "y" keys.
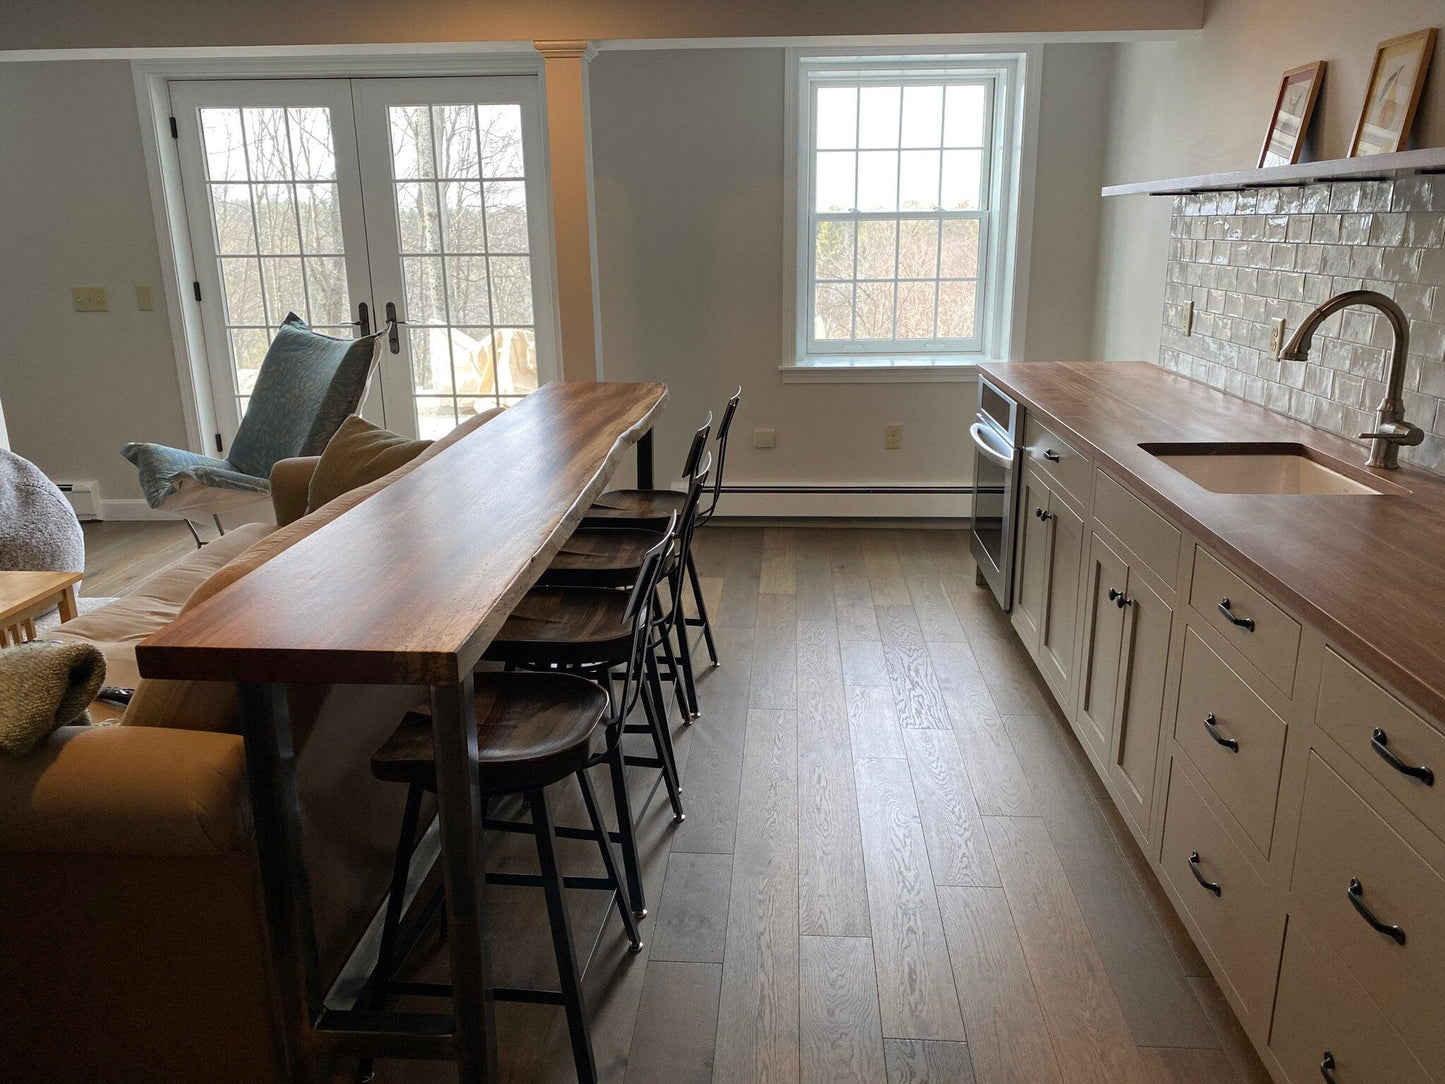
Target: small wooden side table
{"x": 24, "y": 596}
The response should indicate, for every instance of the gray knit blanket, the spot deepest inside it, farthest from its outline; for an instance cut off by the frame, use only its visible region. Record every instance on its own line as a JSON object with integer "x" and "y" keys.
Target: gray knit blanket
{"x": 45, "y": 685}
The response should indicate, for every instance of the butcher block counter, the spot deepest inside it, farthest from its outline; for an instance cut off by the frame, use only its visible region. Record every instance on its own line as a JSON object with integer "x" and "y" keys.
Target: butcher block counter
{"x": 1259, "y": 681}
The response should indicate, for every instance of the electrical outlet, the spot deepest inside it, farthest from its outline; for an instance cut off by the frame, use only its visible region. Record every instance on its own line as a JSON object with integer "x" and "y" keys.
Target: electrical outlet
{"x": 89, "y": 299}
{"x": 765, "y": 438}
{"x": 1276, "y": 336}
{"x": 144, "y": 302}
{"x": 1188, "y": 318}
{"x": 892, "y": 437}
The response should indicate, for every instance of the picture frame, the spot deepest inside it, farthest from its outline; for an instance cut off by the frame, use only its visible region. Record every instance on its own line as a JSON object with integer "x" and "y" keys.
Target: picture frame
{"x": 1392, "y": 95}
{"x": 1294, "y": 106}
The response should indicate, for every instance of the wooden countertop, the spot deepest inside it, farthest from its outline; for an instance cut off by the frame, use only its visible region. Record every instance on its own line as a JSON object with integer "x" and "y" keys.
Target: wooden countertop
{"x": 409, "y": 586}
{"x": 1368, "y": 571}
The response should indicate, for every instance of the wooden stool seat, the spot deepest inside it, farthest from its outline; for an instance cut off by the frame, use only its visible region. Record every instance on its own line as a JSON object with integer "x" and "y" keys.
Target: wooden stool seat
{"x": 634, "y": 507}
{"x": 565, "y": 625}
{"x": 532, "y": 730}
{"x": 600, "y": 557}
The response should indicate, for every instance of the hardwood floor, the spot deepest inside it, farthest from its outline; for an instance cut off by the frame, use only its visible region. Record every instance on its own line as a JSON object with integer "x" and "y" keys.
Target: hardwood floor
{"x": 120, "y": 554}
{"x": 896, "y": 867}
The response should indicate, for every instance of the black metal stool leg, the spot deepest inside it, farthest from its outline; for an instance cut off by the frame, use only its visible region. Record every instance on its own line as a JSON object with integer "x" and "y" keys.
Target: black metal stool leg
{"x": 701, "y": 609}
{"x": 609, "y": 860}
{"x": 571, "y": 980}
{"x": 674, "y": 671}
{"x": 684, "y": 658}
{"x": 401, "y": 866}
{"x": 627, "y": 829}
{"x": 655, "y": 708}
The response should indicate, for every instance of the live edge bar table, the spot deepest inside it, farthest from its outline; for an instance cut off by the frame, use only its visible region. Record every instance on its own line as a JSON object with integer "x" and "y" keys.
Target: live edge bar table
{"x": 406, "y": 588}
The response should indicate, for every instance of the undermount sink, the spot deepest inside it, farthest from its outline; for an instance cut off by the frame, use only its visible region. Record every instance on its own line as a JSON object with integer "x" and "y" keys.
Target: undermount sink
{"x": 1285, "y": 469}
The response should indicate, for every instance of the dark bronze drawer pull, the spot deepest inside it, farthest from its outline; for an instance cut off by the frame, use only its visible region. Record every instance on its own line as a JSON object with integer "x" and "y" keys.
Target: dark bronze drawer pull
{"x": 1051, "y": 455}
{"x": 1327, "y": 1068}
{"x": 1380, "y": 744}
{"x": 1118, "y": 598}
{"x": 1208, "y": 886}
{"x": 1356, "y": 892}
{"x": 1245, "y": 623}
{"x": 1041, "y": 514}
{"x": 1228, "y": 743}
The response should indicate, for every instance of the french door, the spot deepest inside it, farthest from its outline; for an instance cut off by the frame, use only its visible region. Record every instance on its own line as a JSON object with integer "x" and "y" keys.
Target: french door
{"x": 348, "y": 201}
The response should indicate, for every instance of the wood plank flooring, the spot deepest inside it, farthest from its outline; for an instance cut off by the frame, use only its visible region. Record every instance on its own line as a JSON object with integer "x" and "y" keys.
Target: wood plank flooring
{"x": 897, "y": 866}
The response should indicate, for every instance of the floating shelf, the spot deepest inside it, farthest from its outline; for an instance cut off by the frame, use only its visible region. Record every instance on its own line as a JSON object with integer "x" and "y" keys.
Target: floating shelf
{"x": 1369, "y": 167}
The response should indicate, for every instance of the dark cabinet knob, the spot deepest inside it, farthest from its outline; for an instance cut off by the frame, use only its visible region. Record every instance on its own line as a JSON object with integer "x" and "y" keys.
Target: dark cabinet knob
{"x": 1208, "y": 886}
{"x": 1051, "y": 455}
{"x": 1356, "y": 894}
{"x": 1211, "y": 725}
{"x": 1327, "y": 1068}
{"x": 1246, "y": 623}
{"x": 1118, "y": 598}
{"x": 1381, "y": 744}
{"x": 1042, "y": 515}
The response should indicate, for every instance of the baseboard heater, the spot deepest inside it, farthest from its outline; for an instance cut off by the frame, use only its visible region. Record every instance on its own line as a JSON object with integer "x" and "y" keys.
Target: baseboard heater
{"x": 890, "y": 490}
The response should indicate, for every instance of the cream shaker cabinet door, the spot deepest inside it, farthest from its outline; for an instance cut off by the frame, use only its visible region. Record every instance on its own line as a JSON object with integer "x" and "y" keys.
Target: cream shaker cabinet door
{"x": 1059, "y": 629}
{"x": 1107, "y": 582}
{"x": 1148, "y": 621}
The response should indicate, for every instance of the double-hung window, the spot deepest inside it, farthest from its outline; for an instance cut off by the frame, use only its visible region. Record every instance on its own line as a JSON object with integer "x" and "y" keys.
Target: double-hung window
{"x": 906, "y": 204}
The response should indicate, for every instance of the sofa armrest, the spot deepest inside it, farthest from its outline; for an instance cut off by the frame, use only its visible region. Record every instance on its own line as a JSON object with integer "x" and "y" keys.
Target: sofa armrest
{"x": 290, "y": 486}
{"x": 123, "y": 790}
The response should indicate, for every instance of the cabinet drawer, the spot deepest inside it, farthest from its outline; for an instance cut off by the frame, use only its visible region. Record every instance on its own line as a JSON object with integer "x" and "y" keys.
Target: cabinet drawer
{"x": 1239, "y": 924}
{"x": 1261, "y": 631}
{"x": 1322, "y": 1014}
{"x": 1343, "y": 843}
{"x": 1065, "y": 466}
{"x": 1242, "y": 763}
{"x": 1353, "y": 708}
{"x": 1152, "y": 538}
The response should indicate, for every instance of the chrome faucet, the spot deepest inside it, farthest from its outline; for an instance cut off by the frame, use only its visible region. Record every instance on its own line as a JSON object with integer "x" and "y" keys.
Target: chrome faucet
{"x": 1391, "y": 429}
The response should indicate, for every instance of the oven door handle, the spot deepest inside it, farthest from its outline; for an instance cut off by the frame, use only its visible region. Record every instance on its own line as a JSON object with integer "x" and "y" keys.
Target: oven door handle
{"x": 987, "y": 450}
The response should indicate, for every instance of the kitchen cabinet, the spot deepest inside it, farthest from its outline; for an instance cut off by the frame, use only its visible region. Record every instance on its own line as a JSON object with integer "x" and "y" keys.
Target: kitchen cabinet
{"x": 1126, "y": 633}
{"x": 1050, "y": 546}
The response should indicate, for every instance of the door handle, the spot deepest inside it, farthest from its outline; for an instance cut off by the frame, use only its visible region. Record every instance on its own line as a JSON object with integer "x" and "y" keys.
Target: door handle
{"x": 1245, "y": 623}
{"x": 987, "y": 450}
{"x": 1228, "y": 743}
{"x": 1380, "y": 744}
{"x": 1208, "y": 886}
{"x": 363, "y": 320}
{"x": 392, "y": 338}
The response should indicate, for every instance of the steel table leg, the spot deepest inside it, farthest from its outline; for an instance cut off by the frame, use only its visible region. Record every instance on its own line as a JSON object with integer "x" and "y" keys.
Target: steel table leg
{"x": 460, "y": 808}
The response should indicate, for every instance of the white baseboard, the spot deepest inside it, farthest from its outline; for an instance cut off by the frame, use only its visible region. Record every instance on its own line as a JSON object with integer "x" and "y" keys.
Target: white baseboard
{"x": 844, "y": 505}
{"x": 133, "y": 509}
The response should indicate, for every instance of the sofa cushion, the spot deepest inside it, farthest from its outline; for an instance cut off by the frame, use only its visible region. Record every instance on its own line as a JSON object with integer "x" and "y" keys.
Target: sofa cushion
{"x": 116, "y": 628}
{"x": 360, "y": 453}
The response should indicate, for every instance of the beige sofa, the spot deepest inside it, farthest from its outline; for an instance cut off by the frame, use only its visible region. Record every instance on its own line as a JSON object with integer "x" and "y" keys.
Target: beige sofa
{"x": 132, "y": 940}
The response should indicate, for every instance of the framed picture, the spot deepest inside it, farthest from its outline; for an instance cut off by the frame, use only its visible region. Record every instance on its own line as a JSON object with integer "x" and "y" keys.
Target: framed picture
{"x": 1393, "y": 94}
{"x": 1293, "y": 107}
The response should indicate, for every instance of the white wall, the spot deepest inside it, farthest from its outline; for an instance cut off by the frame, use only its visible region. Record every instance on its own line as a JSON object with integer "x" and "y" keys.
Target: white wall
{"x": 689, "y": 152}
{"x": 688, "y": 156}
{"x": 75, "y": 211}
{"x": 1202, "y": 104}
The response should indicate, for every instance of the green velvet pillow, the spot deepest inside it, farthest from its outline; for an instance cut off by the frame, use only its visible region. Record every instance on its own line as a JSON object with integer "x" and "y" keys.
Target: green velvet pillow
{"x": 359, "y": 453}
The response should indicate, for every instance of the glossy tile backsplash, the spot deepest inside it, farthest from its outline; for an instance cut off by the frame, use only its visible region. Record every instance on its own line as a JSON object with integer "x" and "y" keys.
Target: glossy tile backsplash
{"x": 1246, "y": 258}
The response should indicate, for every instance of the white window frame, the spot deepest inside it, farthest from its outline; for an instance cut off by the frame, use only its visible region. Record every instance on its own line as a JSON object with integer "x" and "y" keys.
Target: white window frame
{"x": 1006, "y": 226}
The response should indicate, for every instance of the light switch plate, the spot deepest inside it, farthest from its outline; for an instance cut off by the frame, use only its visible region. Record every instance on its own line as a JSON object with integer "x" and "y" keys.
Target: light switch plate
{"x": 89, "y": 299}
{"x": 765, "y": 438}
{"x": 144, "y": 302}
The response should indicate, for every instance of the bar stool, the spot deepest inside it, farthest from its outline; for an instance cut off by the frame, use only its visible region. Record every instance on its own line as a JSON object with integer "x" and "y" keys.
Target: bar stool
{"x": 534, "y": 730}
{"x": 649, "y": 507}
{"x": 611, "y": 556}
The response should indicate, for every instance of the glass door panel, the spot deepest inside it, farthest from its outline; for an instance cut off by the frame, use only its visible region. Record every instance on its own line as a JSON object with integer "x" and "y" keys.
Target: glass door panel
{"x": 456, "y": 211}
{"x": 273, "y": 193}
